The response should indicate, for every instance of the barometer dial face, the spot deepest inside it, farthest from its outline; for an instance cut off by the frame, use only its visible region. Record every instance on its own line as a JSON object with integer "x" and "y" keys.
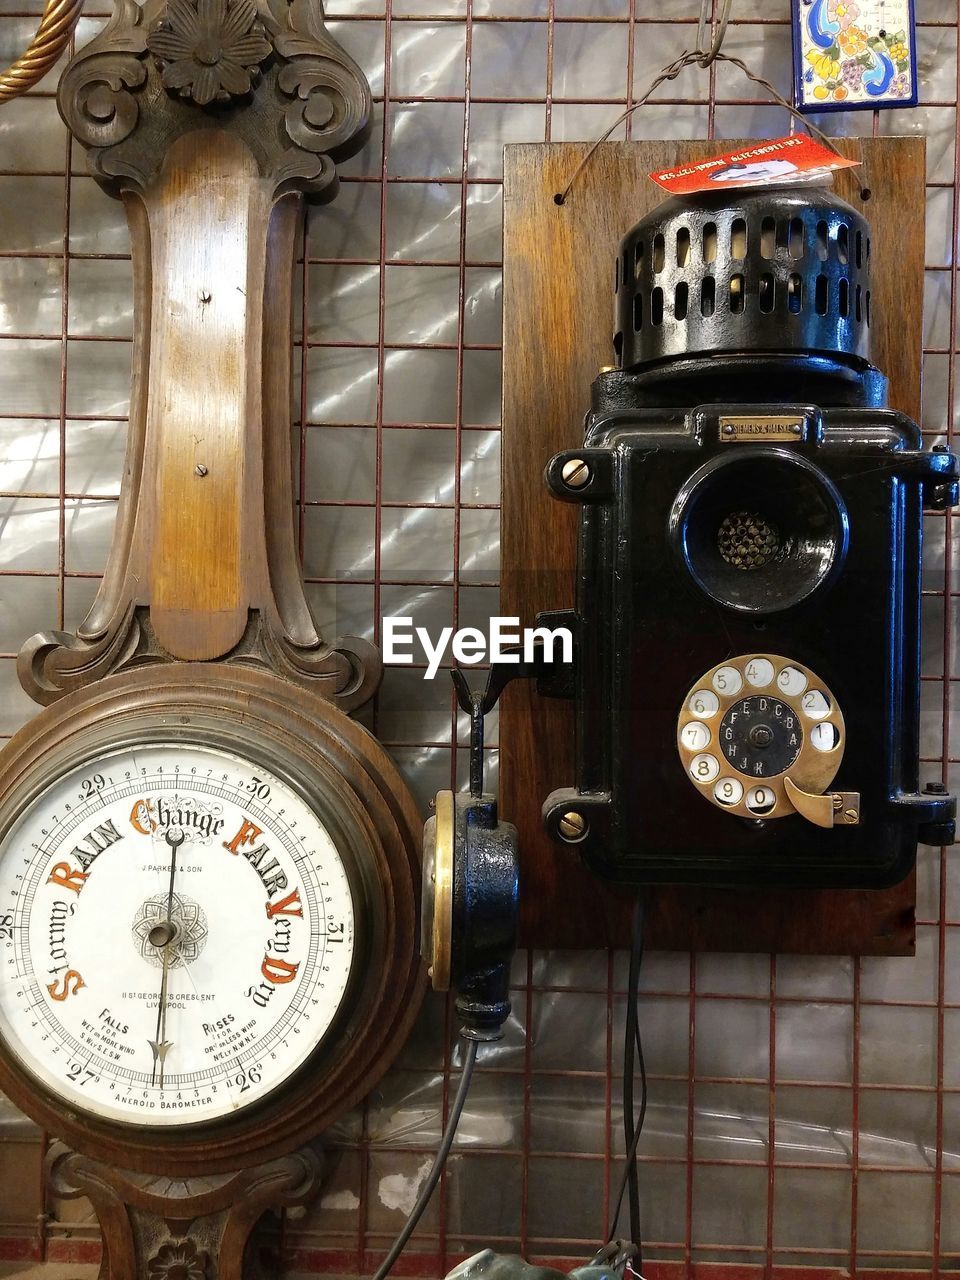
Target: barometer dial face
{"x": 750, "y": 723}
{"x": 178, "y": 933}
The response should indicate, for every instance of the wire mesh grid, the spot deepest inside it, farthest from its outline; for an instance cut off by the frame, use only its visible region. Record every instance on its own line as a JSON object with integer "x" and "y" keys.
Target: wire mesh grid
{"x": 804, "y": 1112}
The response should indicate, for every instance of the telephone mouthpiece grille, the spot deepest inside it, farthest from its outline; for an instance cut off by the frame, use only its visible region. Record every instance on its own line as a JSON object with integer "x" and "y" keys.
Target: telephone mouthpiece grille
{"x": 746, "y": 540}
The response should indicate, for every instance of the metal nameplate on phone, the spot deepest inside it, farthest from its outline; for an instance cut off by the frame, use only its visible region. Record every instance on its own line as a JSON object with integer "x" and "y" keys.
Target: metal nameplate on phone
{"x": 737, "y": 430}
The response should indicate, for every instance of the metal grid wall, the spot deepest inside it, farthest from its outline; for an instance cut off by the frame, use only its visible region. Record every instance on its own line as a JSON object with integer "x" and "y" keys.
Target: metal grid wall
{"x": 803, "y": 1112}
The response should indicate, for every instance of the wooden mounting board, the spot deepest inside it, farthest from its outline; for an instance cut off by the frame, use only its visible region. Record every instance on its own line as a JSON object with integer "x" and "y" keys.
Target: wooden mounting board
{"x": 557, "y": 333}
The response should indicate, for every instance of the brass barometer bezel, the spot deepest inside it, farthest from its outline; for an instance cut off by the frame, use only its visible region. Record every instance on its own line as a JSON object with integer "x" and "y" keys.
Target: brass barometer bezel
{"x": 349, "y": 781}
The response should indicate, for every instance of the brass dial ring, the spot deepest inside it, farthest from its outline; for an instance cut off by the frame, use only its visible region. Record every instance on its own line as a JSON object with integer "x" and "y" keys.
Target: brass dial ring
{"x": 751, "y": 724}
{"x": 54, "y": 32}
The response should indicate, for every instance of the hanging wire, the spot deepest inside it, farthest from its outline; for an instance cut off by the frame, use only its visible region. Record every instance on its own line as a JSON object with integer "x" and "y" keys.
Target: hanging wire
{"x": 719, "y": 32}
{"x": 433, "y": 1177}
{"x": 670, "y": 72}
{"x": 632, "y": 1123}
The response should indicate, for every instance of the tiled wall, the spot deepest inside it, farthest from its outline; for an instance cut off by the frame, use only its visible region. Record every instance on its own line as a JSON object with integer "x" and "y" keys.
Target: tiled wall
{"x": 802, "y": 1111}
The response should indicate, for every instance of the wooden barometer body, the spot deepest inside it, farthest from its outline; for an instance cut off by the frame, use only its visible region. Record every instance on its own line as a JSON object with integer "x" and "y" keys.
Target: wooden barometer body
{"x": 209, "y": 875}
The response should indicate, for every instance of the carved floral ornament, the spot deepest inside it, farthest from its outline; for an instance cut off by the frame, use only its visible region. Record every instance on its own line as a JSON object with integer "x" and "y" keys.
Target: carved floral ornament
{"x": 210, "y": 49}
{"x": 241, "y": 64}
{"x": 180, "y": 1261}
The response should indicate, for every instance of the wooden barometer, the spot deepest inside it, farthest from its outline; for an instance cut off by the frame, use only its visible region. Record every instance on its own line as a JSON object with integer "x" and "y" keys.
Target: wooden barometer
{"x": 209, "y": 875}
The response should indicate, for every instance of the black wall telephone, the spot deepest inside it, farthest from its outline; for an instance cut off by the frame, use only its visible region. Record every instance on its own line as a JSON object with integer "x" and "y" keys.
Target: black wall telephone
{"x": 747, "y": 619}
{"x": 748, "y": 599}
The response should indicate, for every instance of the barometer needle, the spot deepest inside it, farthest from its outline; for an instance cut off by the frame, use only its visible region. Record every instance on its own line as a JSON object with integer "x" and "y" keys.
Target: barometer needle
{"x": 174, "y": 838}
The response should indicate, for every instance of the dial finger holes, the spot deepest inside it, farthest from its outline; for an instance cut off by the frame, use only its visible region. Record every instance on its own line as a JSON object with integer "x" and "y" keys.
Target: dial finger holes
{"x": 759, "y": 672}
{"x": 824, "y": 736}
{"x": 791, "y": 681}
{"x": 695, "y": 735}
{"x": 728, "y": 791}
{"x": 704, "y": 768}
{"x": 748, "y": 723}
{"x": 761, "y": 799}
{"x": 703, "y": 704}
{"x": 727, "y": 681}
{"x": 815, "y": 704}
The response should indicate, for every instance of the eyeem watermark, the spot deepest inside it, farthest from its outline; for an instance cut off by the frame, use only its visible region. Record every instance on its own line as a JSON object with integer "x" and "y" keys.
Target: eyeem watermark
{"x": 504, "y": 642}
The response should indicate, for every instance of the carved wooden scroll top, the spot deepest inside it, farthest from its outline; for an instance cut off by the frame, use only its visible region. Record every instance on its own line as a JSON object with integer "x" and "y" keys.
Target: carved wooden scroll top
{"x": 211, "y": 119}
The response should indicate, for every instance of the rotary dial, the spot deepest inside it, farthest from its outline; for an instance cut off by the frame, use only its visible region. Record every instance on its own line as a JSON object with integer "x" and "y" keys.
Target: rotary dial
{"x": 177, "y": 933}
{"x": 762, "y": 736}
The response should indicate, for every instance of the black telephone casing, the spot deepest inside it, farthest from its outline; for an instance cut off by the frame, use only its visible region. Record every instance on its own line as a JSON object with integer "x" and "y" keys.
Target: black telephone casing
{"x": 646, "y": 631}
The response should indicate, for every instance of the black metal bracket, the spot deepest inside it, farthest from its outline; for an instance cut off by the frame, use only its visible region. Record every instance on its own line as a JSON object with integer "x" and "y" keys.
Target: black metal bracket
{"x": 941, "y": 484}
{"x": 474, "y": 706}
{"x": 934, "y": 811}
{"x": 554, "y": 680}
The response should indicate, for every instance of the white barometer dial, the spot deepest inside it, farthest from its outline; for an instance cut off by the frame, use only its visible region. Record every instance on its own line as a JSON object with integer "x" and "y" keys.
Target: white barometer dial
{"x": 177, "y": 934}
